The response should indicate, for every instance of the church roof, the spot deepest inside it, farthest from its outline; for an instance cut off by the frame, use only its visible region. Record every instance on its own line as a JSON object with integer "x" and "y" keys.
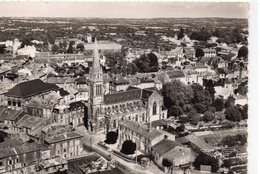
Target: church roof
{"x": 131, "y": 93}
{"x": 128, "y": 95}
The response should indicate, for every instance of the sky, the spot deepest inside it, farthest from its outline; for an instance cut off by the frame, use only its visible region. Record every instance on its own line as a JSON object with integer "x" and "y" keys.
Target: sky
{"x": 124, "y": 9}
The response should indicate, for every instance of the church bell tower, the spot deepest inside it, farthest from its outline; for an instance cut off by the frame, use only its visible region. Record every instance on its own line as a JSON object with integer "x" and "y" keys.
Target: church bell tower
{"x": 96, "y": 90}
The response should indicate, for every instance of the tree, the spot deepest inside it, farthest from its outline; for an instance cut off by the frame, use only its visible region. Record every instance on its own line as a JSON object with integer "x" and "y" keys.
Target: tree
{"x": 204, "y": 159}
{"x": 243, "y": 52}
{"x": 54, "y": 48}
{"x": 166, "y": 163}
{"x": 111, "y": 137}
{"x": 2, "y": 49}
{"x": 180, "y": 128}
{"x": 80, "y": 47}
{"x": 70, "y": 49}
{"x": 175, "y": 111}
{"x": 219, "y": 104}
{"x": 176, "y": 93}
{"x": 208, "y": 116}
{"x": 193, "y": 117}
{"x": 199, "y": 53}
{"x": 147, "y": 63}
{"x": 181, "y": 34}
{"x": 229, "y": 102}
{"x": 128, "y": 147}
{"x": 201, "y": 108}
{"x": 244, "y": 112}
{"x": 233, "y": 114}
{"x": 242, "y": 138}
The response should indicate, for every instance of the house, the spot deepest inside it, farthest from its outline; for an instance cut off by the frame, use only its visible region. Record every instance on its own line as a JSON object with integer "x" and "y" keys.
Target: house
{"x": 62, "y": 142}
{"x": 144, "y": 83}
{"x": 40, "y": 108}
{"x": 70, "y": 114}
{"x": 189, "y": 52}
{"x": 23, "y": 92}
{"x": 201, "y": 69}
{"x": 173, "y": 151}
{"x": 240, "y": 100}
{"x": 198, "y": 144}
{"x": 27, "y": 51}
{"x": 209, "y": 52}
{"x": 10, "y": 116}
{"x": 222, "y": 92}
{"x": 29, "y": 123}
{"x": 169, "y": 76}
{"x": 119, "y": 85}
{"x": 221, "y": 73}
{"x": 143, "y": 135}
{"x": 21, "y": 156}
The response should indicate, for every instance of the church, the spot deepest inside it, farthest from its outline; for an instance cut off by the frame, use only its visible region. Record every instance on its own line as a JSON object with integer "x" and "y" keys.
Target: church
{"x": 105, "y": 111}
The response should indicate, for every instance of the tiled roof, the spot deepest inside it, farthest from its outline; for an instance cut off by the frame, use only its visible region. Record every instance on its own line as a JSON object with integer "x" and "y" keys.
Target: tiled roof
{"x": 141, "y": 129}
{"x": 208, "y": 50}
{"x": 200, "y": 143}
{"x": 9, "y": 114}
{"x": 30, "y": 88}
{"x": 63, "y": 92}
{"x": 221, "y": 71}
{"x": 164, "y": 146}
{"x": 10, "y": 143}
{"x": 146, "y": 93}
{"x": 22, "y": 149}
{"x": 62, "y": 137}
{"x": 123, "y": 96}
{"x": 175, "y": 74}
{"x": 29, "y": 121}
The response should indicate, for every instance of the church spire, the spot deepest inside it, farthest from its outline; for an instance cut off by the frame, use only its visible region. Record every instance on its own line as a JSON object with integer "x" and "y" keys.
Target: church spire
{"x": 96, "y": 64}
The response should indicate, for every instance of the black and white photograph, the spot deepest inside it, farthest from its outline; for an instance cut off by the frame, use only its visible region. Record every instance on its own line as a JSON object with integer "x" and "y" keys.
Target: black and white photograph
{"x": 124, "y": 87}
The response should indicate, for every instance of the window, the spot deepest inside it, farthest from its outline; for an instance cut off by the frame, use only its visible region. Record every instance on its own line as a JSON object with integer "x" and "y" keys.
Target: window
{"x": 114, "y": 124}
{"x": 1, "y": 163}
{"x": 10, "y": 162}
{"x": 17, "y": 160}
{"x": 19, "y": 103}
{"x": 9, "y": 103}
{"x": 154, "y": 108}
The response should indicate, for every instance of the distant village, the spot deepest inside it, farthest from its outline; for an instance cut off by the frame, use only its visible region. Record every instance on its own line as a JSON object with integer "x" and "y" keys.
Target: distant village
{"x": 87, "y": 105}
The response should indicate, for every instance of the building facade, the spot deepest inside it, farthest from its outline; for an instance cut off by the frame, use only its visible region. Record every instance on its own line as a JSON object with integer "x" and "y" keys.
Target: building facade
{"x": 106, "y": 110}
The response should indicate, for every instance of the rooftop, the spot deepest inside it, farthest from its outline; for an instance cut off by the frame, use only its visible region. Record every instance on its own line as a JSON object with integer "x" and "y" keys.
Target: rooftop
{"x": 62, "y": 137}
{"x": 141, "y": 129}
{"x": 9, "y": 114}
{"x": 30, "y": 88}
{"x": 29, "y": 121}
{"x": 21, "y": 149}
{"x": 164, "y": 146}
{"x": 175, "y": 74}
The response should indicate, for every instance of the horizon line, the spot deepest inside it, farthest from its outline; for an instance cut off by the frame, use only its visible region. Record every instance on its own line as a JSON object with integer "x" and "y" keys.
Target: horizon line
{"x": 118, "y": 17}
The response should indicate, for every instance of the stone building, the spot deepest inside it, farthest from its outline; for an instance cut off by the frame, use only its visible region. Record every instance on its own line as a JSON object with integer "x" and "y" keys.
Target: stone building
{"x": 106, "y": 110}
{"x": 22, "y": 93}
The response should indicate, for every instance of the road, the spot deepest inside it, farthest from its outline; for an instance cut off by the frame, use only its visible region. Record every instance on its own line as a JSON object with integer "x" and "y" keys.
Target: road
{"x": 91, "y": 140}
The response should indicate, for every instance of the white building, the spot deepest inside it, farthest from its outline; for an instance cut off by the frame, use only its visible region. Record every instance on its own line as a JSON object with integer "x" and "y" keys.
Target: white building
{"x": 27, "y": 51}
